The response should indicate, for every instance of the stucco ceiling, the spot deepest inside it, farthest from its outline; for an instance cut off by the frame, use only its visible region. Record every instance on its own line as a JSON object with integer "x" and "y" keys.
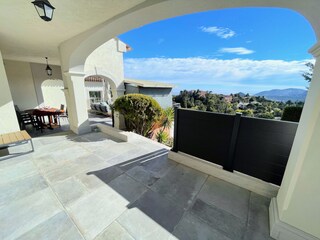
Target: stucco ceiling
{"x": 24, "y": 36}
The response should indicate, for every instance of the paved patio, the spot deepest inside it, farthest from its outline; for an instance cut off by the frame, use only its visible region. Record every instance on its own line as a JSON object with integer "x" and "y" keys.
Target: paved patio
{"x": 94, "y": 119}
{"x": 95, "y": 187}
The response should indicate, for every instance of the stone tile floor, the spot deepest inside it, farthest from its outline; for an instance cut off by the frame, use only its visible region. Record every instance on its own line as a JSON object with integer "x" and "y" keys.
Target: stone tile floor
{"x": 95, "y": 187}
{"x": 94, "y": 119}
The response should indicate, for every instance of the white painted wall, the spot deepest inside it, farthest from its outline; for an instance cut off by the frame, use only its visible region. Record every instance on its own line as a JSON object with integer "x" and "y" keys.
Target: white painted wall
{"x": 53, "y": 95}
{"x": 107, "y": 61}
{"x": 299, "y": 196}
{"x": 76, "y": 100}
{"x": 39, "y": 76}
{"x": 8, "y": 118}
{"x": 25, "y": 80}
{"x": 21, "y": 84}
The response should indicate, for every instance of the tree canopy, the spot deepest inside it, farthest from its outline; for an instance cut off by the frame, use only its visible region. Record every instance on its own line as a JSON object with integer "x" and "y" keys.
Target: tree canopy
{"x": 251, "y": 106}
{"x": 308, "y": 75}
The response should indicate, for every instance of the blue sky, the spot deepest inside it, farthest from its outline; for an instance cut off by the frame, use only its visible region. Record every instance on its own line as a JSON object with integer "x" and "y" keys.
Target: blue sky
{"x": 225, "y": 51}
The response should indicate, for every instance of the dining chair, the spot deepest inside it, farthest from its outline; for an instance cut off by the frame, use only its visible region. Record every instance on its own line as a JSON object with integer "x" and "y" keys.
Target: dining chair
{"x": 63, "y": 115}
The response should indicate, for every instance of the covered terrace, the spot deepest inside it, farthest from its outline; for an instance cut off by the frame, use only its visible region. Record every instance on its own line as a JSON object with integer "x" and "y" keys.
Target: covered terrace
{"x": 80, "y": 27}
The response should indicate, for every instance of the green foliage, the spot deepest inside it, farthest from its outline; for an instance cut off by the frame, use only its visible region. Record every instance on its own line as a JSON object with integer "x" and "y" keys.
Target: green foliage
{"x": 140, "y": 112}
{"x": 267, "y": 115}
{"x": 277, "y": 112}
{"x": 308, "y": 75}
{"x": 167, "y": 117}
{"x": 164, "y": 123}
{"x": 252, "y": 106}
{"x": 162, "y": 137}
{"x": 292, "y": 113}
{"x": 247, "y": 113}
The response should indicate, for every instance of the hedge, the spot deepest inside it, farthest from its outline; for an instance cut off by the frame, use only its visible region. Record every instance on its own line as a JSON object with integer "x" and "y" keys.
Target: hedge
{"x": 292, "y": 114}
{"x": 140, "y": 112}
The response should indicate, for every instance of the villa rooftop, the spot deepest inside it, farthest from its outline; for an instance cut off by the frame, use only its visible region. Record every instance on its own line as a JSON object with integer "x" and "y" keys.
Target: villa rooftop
{"x": 148, "y": 84}
{"x": 93, "y": 186}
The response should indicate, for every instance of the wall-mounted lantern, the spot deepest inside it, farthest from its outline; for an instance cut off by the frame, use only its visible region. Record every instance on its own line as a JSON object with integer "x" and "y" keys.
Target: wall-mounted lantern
{"x": 48, "y": 68}
{"x": 44, "y": 9}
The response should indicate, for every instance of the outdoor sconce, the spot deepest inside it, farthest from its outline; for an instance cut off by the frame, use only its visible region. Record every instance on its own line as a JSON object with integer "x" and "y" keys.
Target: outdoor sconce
{"x": 44, "y": 9}
{"x": 48, "y": 68}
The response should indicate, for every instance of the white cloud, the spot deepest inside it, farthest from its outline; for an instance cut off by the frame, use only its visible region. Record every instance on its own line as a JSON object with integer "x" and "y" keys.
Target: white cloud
{"x": 236, "y": 50}
{"x": 219, "y": 31}
{"x": 215, "y": 74}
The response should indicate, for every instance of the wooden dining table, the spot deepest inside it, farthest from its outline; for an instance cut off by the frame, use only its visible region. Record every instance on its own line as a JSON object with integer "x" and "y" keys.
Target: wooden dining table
{"x": 51, "y": 113}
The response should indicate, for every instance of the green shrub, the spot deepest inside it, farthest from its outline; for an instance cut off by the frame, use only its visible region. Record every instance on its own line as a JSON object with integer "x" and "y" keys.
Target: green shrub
{"x": 162, "y": 137}
{"x": 166, "y": 119}
{"x": 292, "y": 113}
{"x": 140, "y": 112}
{"x": 246, "y": 113}
{"x": 266, "y": 115}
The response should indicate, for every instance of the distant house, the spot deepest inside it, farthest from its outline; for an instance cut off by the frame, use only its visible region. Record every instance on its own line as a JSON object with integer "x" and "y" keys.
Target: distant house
{"x": 228, "y": 98}
{"x": 242, "y": 106}
{"x": 161, "y": 92}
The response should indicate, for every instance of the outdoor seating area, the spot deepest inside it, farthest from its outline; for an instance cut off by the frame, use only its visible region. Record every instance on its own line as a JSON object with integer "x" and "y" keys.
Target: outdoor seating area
{"x": 40, "y": 118}
{"x": 101, "y": 108}
{"x": 15, "y": 138}
{"x": 32, "y": 124}
{"x": 94, "y": 186}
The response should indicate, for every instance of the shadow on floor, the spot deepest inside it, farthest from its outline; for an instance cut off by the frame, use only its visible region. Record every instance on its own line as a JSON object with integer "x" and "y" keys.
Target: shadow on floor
{"x": 23, "y": 149}
{"x": 47, "y": 132}
{"x": 152, "y": 204}
{"x": 165, "y": 198}
{"x": 95, "y": 136}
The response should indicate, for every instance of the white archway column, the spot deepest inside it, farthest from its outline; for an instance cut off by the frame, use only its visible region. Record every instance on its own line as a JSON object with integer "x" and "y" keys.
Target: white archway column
{"x": 8, "y": 118}
{"x": 76, "y": 102}
{"x": 295, "y": 212}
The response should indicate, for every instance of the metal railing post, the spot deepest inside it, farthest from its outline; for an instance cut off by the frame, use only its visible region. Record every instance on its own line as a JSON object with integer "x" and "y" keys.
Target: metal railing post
{"x": 112, "y": 116}
{"x": 175, "y": 132}
{"x": 228, "y": 165}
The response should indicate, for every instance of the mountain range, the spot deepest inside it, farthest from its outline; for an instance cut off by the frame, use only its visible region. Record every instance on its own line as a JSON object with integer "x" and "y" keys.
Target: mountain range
{"x": 293, "y": 94}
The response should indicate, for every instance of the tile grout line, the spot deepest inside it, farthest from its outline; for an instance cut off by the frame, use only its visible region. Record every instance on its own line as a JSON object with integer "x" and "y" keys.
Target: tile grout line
{"x": 58, "y": 200}
{"x": 124, "y": 226}
{"x": 147, "y": 189}
{"x": 193, "y": 201}
{"x": 249, "y": 204}
{"x": 116, "y": 220}
{"x": 212, "y": 205}
{"x": 142, "y": 183}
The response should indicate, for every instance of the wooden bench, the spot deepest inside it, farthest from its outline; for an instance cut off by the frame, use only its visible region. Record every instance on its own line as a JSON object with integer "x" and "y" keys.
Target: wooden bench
{"x": 15, "y": 138}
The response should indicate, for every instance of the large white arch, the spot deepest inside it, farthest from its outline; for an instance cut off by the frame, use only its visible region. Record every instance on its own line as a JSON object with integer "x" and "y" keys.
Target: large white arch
{"x": 295, "y": 213}
{"x": 116, "y": 86}
{"x": 75, "y": 51}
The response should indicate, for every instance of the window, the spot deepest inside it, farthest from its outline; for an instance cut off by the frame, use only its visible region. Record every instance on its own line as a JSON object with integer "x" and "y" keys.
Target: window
{"x": 95, "y": 96}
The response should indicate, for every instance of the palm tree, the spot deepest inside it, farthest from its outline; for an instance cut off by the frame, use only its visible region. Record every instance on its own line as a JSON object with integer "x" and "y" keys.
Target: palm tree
{"x": 165, "y": 123}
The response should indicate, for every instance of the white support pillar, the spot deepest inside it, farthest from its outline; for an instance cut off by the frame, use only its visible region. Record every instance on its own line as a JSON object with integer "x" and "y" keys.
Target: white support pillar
{"x": 8, "y": 117}
{"x": 76, "y": 102}
{"x": 295, "y": 212}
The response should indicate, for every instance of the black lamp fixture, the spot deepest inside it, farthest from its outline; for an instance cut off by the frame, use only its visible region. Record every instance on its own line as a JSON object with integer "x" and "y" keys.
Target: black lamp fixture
{"x": 48, "y": 68}
{"x": 44, "y": 9}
